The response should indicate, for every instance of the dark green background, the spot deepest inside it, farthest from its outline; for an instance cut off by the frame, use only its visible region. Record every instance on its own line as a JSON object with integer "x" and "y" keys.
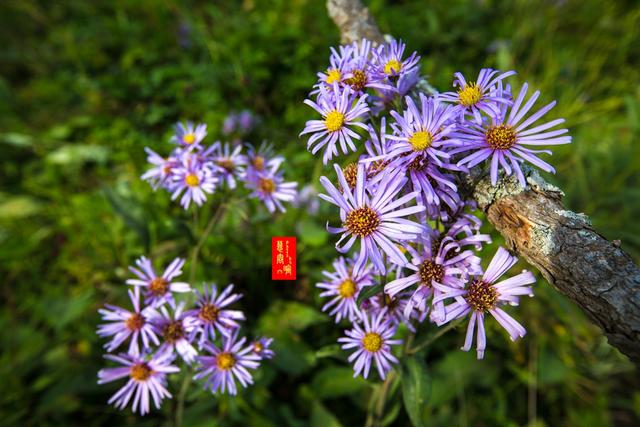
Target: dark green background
{"x": 85, "y": 86}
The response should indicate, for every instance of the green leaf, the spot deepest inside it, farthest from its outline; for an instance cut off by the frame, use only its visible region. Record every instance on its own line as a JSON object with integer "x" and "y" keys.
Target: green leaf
{"x": 329, "y": 351}
{"x": 293, "y": 356}
{"x": 78, "y": 154}
{"x": 17, "y": 139}
{"x": 311, "y": 233}
{"x": 17, "y": 207}
{"x": 369, "y": 292}
{"x": 336, "y": 381}
{"x": 130, "y": 213}
{"x": 415, "y": 388}
{"x": 551, "y": 370}
{"x": 391, "y": 414}
{"x": 289, "y": 316}
{"x": 321, "y": 417}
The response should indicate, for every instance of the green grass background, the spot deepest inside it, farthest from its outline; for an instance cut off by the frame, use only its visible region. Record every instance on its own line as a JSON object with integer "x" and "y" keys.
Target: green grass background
{"x": 85, "y": 86}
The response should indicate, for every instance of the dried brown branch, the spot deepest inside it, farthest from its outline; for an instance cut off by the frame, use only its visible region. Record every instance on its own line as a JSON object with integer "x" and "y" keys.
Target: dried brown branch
{"x": 596, "y": 274}
{"x": 354, "y": 20}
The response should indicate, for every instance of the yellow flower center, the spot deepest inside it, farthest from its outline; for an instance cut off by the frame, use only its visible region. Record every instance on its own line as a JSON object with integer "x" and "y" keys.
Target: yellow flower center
{"x": 421, "y": 140}
{"x": 481, "y": 296}
{"x": 358, "y": 81}
{"x": 225, "y": 361}
{"x": 140, "y": 372}
{"x": 351, "y": 174}
{"x": 258, "y": 162}
{"x": 209, "y": 313}
{"x": 158, "y": 286}
{"x": 362, "y": 221}
{"x": 135, "y": 322}
{"x": 419, "y": 163}
{"x": 173, "y": 331}
{"x": 392, "y": 66}
{"x": 390, "y": 303}
{"x": 372, "y": 342}
{"x": 501, "y": 137}
{"x": 429, "y": 271}
{"x": 334, "y": 120}
{"x": 192, "y": 180}
{"x": 347, "y": 289}
{"x": 266, "y": 185}
{"x": 189, "y": 138}
{"x": 333, "y": 76}
{"x": 470, "y": 95}
{"x": 258, "y": 347}
{"x": 226, "y": 164}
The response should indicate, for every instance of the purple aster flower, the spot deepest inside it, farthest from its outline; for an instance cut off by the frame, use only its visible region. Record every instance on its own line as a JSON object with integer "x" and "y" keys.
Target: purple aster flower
{"x": 432, "y": 266}
{"x": 246, "y": 121}
{"x": 195, "y": 180}
{"x": 211, "y": 313}
{"x": 308, "y": 198}
{"x": 162, "y": 171}
{"x": 187, "y": 135}
{"x": 437, "y": 189}
{"x": 376, "y": 219}
{"x": 230, "y": 163}
{"x": 395, "y": 308}
{"x": 423, "y": 132}
{"x": 340, "y": 109}
{"x": 340, "y": 64}
{"x": 384, "y": 99}
{"x": 146, "y": 378}
{"x": 261, "y": 348}
{"x": 261, "y": 161}
{"x": 124, "y": 324}
{"x": 227, "y": 364}
{"x": 158, "y": 289}
{"x": 465, "y": 230}
{"x": 343, "y": 286}
{"x": 388, "y": 62}
{"x": 184, "y": 35}
{"x": 373, "y": 342}
{"x": 362, "y": 75}
{"x": 474, "y": 97}
{"x": 177, "y": 332}
{"x": 483, "y": 295}
{"x": 229, "y": 124}
{"x": 377, "y": 147}
{"x": 272, "y": 191}
{"x": 505, "y": 137}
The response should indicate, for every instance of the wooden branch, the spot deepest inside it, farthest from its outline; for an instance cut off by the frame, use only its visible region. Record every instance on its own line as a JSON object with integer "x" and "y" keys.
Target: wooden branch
{"x": 354, "y": 20}
{"x": 596, "y": 274}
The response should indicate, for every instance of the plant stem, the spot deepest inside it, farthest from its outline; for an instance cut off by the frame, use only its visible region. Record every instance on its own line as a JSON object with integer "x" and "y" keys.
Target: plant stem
{"x": 427, "y": 342}
{"x": 382, "y": 398}
{"x": 196, "y": 250}
{"x": 192, "y": 276}
{"x": 182, "y": 394}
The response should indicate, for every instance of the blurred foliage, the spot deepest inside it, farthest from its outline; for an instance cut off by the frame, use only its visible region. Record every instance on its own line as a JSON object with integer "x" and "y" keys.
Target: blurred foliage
{"x": 84, "y": 86}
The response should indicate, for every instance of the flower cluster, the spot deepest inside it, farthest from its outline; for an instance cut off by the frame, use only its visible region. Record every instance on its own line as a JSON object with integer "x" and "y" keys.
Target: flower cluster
{"x": 152, "y": 335}
{"x": 240, "y": 124}
{"x": 400, "y": 199}
{"x": 193, "y": 171}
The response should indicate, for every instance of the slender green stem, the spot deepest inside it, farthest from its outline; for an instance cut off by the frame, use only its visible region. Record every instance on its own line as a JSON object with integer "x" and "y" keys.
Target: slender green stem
{"x": 215, "y": 218}
{"x": 196, "y": 250}
{"x": 430, "y": 340}
{"x": 370, "y": 411}
{"x": 182, "y": 394}
{"x": 382, "y": 397}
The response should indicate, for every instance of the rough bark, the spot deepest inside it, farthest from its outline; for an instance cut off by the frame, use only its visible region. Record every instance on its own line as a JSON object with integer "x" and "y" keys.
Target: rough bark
{"x": 354, "y": 20}
{"x": 596, "y": 274}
